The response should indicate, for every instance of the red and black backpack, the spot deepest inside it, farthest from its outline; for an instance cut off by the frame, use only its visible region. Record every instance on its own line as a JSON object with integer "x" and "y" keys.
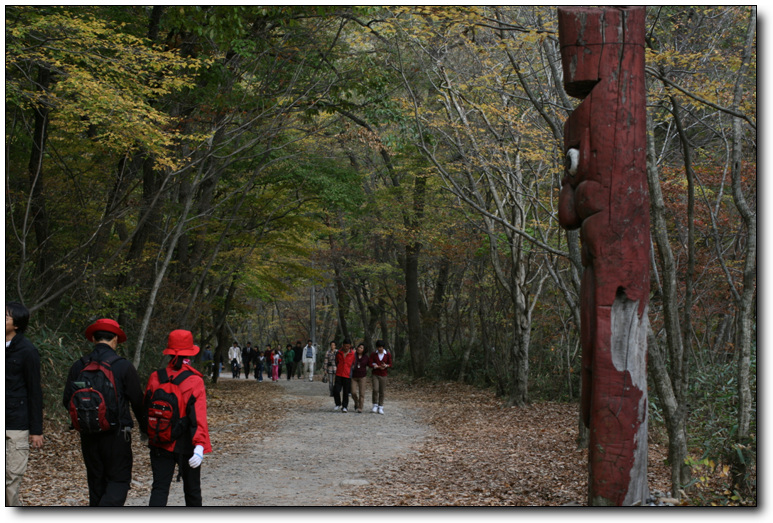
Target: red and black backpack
{"x": 94, "y": 399}
{"x": 165, "y": 408}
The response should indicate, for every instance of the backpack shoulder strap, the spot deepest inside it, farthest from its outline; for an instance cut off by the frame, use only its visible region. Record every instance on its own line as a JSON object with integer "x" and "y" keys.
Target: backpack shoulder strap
{"x": 163, "y": 376}
{"x": 182, "y": 376}
{"x": 112, "y": 358}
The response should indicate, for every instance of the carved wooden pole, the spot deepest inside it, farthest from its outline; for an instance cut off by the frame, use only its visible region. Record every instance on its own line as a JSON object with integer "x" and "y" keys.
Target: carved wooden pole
{"x": 605, "y": 193}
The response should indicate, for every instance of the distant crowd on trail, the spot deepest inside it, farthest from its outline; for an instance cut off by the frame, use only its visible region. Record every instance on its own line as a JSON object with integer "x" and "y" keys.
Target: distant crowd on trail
{"x": 345, "y": 370}
{"x": 103, "y": 389}
{"x": 298, "y": 360}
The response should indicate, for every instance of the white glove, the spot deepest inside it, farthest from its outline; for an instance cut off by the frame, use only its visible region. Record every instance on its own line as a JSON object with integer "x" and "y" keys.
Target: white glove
{"x": 198, "y": 455}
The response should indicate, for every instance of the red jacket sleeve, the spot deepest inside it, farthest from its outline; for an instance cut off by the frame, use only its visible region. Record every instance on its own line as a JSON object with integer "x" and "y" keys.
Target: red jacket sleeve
{"x": 199, "y": 407}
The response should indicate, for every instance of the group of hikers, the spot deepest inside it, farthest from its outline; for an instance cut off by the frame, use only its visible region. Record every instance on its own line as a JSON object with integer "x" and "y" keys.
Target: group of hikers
{"x": 346, "y": 374}
{"x": 298, "y": 360}
{"x": 102, "y": 389}
{"x": 344, "y": 370}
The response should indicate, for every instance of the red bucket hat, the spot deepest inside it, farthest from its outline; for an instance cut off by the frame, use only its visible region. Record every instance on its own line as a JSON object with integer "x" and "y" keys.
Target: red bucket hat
{"x": 108, "y": 325}
{"x": 180, "y": 343}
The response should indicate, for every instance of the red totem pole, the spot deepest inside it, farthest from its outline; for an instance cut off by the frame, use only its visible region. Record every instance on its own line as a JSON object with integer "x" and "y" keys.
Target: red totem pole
{"x": 604, "y": 193}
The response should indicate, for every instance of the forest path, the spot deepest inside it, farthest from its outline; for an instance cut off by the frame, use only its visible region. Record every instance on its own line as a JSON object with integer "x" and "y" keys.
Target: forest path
{"x": 309, "y": 456}
{"x": 282, "y": 445}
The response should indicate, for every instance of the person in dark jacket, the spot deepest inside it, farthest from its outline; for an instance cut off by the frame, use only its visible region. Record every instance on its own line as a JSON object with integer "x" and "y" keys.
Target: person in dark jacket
{"x": 247, "y": 357}
{"x": 298, "y": 360}
{"x": 289, "y": 359}
{"x": 23, "y": 400}
{"x": 359, "y": 376}
{"x": 188, "y": 451}
{"x": 258, "y": 360}
{"x": 108, "y": 455}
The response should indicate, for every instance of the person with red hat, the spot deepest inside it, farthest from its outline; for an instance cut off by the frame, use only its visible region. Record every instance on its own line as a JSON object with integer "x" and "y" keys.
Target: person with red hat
{"x": 108, "y": 455}
{"x": 187, "y": 451}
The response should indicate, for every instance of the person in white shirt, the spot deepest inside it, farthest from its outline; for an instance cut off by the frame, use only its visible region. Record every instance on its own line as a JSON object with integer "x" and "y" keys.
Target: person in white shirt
{"x": 235, "y": 357}
{"x": 309, "y": 357}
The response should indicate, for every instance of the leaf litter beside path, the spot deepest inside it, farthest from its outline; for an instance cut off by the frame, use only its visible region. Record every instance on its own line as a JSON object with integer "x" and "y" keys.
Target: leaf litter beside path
{"x": 478, "y": 452}
{"x": 484, "y": 454}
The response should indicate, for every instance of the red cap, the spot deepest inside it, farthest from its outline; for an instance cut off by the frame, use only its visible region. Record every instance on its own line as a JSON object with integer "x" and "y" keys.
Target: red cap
{"x": 180, "y": 343}
{"x": 107, "y": 325}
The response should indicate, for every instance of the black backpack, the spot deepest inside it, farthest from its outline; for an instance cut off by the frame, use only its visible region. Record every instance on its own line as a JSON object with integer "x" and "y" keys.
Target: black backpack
{"x": 94, "y": 401}
{"x": 167, "y": 420}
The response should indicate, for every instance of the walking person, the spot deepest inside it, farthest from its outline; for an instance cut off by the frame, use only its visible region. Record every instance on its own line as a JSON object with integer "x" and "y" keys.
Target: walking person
{"x": 183, "y": 440}
{"x": 380, "y": 361}
{"x": 23, "y": 400}
{"x": 289, "y": 358}
{"x": 269, "y": 354}
{"x": 309, "y": 358}
{"x": 329, "y": 367}
{"x": 206, "y": 359}
{"x": 260, "y": 362}
{"x": 343, "y": 379}
{"x": 107, "y": 454}
{"x": 359, "y": 376}
{"x": 235, "y": 357}
{"x": 247, "y": 356}
{"x": 298, "y": 359}
{"x": 276, "y": 358}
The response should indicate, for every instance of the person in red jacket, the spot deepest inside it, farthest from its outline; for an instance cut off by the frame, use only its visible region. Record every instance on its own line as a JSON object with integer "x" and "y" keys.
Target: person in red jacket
{"x": 344, "y": 360}
{"x": 188, "y": 450}
{"x": 380, "y": 361}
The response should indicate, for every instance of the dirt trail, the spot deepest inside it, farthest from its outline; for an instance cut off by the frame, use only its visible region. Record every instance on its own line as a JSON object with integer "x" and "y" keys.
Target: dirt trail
{"x": 315, "y": 457}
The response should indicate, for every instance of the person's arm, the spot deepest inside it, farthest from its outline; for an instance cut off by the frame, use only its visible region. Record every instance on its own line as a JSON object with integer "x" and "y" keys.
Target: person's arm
{"x": 198, "y": 414}
{"x": 71, "y": 376}
{"x": 31, "y": 369}
{"x": 134, "y": 393}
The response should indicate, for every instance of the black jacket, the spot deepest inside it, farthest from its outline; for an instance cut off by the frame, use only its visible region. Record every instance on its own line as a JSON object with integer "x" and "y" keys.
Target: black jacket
{"x": 23, "y": 395}
{"x": 127, "y": 381}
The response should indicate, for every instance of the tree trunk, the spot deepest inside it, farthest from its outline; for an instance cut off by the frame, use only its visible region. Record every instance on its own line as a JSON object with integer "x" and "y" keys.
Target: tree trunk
{"x": 145, "y": 325}
{"x": 745, "y": 305}
{"x": 412, "y": 309}
{"x": 675, "y": 417}
{"x": 416, "y": 340}
{"x": 37, "y": 197}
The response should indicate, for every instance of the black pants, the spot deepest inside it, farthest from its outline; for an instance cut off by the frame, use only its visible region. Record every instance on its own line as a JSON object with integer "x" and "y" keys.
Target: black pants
{"x": 108, "y": 460}
{"x": 246, "y": 370}
{"x": 345, "y": 385}
{"x": 163, "y": 463}
{"x": 290, "y": 368}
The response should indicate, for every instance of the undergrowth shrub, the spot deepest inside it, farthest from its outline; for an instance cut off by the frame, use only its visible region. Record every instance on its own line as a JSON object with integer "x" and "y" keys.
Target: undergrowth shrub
{"x": 714, "y": 435}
